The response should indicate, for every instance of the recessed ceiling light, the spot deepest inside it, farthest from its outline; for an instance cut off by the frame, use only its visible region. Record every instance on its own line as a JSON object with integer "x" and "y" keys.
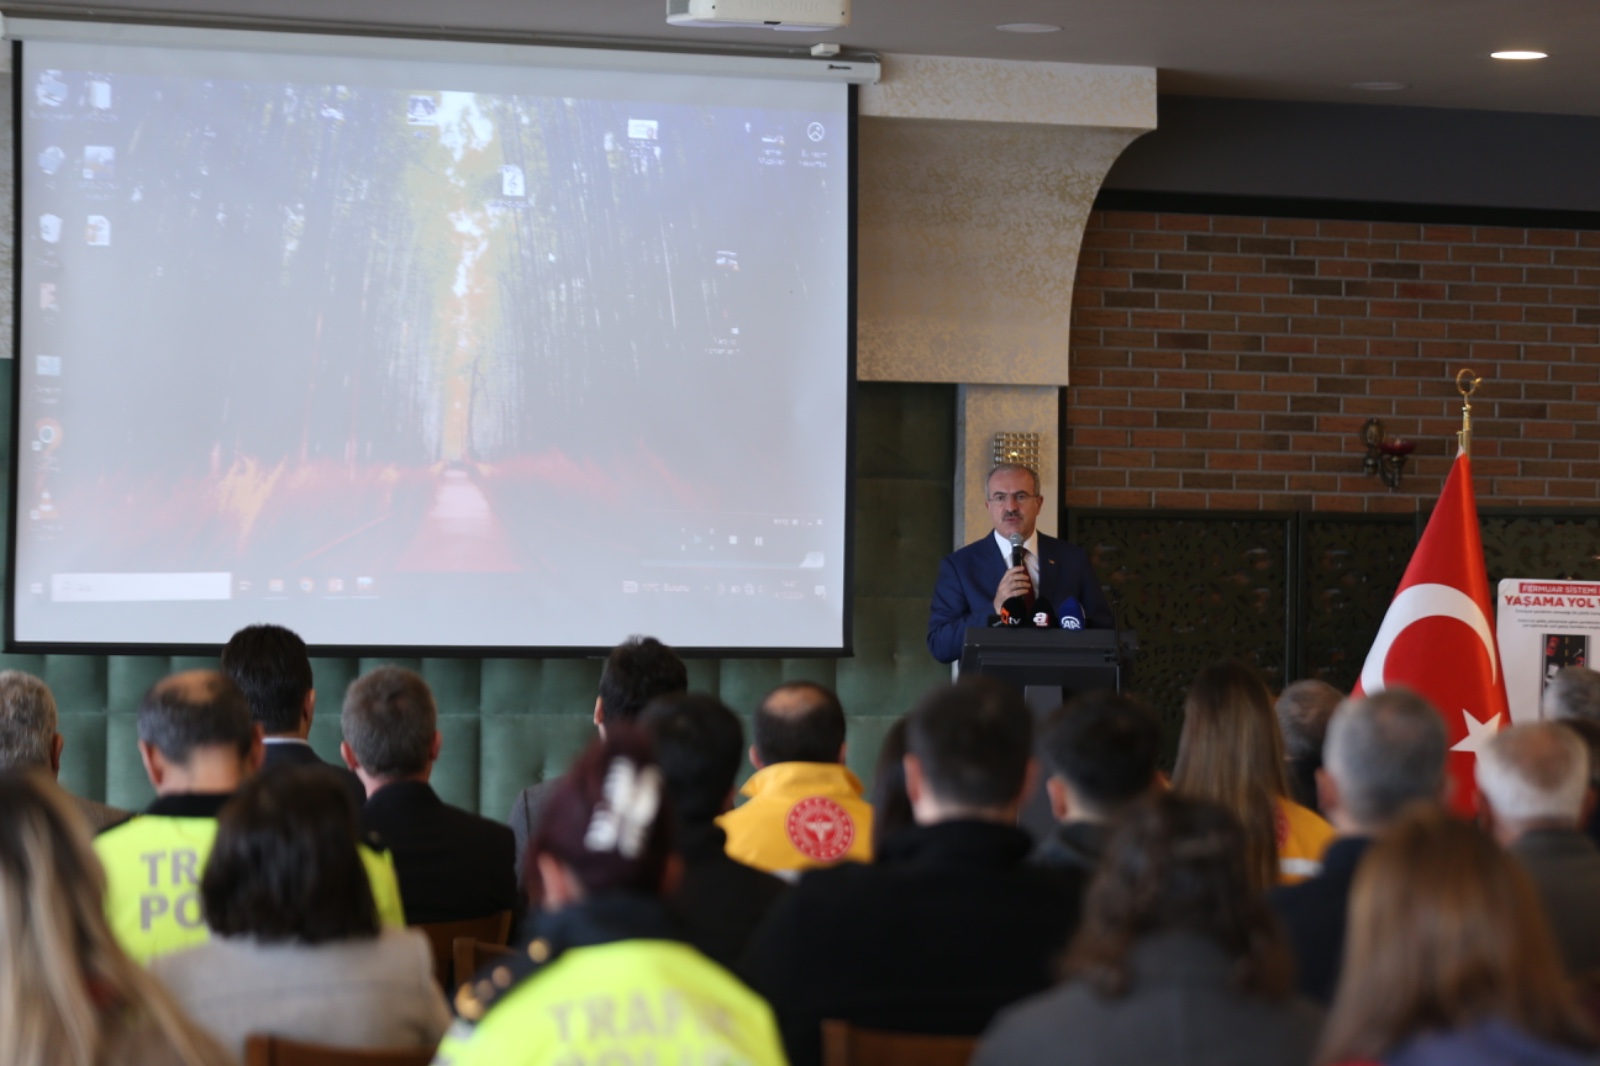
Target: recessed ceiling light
{"x": 1029, "y": 27}
{"x": 1518, "y": 55}
{"x": 1380, "y": 86}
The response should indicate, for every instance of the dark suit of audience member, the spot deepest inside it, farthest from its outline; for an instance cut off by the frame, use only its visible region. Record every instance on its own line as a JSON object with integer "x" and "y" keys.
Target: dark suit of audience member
{"x": 1178, "y": 961}
{"x": 636, "y": 672}
{"x": 281, "y": 751}
{"x": 1383, "y": 752}
{"x": 719, "y": 902}
{"x": 1533, "y": 781}
{"x": 452, "y": 864}
{"x": 272, "y": 668}
{"x": 951, "y": 923}
{"x": 1100, "y": 752}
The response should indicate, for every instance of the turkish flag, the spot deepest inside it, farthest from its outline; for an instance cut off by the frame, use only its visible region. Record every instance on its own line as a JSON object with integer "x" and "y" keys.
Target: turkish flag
{"x": 1437, "y": 638}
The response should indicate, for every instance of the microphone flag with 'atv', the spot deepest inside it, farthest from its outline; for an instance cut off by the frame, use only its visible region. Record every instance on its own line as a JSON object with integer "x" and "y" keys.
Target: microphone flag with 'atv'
{"x": 1437, "y": 639}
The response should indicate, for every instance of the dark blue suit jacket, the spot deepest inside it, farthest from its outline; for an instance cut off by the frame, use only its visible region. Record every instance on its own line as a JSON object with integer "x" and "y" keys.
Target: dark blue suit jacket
{"x": 968, "y": 578}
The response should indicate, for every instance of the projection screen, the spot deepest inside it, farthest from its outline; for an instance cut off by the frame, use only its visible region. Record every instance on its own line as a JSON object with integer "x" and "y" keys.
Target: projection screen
{"x": 429, "y": 346}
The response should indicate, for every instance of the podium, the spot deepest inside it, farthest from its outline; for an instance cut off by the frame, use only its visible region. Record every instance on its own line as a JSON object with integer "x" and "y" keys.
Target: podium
{"x": 1050, "y": 666}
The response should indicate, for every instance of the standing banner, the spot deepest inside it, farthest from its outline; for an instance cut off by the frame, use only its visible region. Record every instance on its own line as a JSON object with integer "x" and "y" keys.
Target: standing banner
{"x": 1543, "y": 625}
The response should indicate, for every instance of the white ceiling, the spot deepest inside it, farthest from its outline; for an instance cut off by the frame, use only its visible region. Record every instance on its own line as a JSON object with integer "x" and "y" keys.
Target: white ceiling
{"x": 1274, "y": 49}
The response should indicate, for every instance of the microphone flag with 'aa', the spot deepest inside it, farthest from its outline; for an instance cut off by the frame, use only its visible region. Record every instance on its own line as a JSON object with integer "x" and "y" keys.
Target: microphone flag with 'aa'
{"x": 1437, "y": 639}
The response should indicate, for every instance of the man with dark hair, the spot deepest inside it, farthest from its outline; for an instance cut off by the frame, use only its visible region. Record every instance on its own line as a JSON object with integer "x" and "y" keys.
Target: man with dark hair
{"x": 197, "y": 743}
{"x": 1303, "y": 710}
{"x": 952, "y": 923}
{"x": 453, "y": 865}
{"x": 1383, "y": 753}
{"x": 1572, "y": 697}
{"x": 803, "y": 807}
{"x": 699, "y": 744}
{"x": 270, "y": 665}
{"x": 1100, "y": 751}
{"x": 636, "y": 672}
{"x": 30, "y": 740}
{"x": 978, "y": 581}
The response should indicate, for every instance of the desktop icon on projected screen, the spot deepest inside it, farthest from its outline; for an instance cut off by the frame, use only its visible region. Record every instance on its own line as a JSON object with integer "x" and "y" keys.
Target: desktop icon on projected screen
{"x": 275, "y": 586}
{"x": 51, "y": 89}
{"x": 97, "y": 231}
{"x": 644, "y": 129}
{"x": 50, "y": 228}
{"x": 48, "y": 299}
{"x": 47, "y": 366}
{"x": 512, "y": 181}
{"x": 364, "y": 586}
{"x": 99, "y": 162}
{"x": 420, "y": 110}
{"x": 100, "y": 94}
{"x": 51, "y": 158}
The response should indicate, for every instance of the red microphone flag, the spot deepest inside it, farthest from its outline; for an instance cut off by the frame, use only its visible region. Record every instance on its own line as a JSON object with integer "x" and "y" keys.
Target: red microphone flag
{"x": 1437, "y": 638}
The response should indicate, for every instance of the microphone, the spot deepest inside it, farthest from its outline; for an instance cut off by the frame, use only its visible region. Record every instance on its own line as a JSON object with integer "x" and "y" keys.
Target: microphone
{"x": 1018, "y": 552}
{"x": 1017, "y": 606}
{"x": 1072, "y": 616}
{"x": 1041, "y": 617}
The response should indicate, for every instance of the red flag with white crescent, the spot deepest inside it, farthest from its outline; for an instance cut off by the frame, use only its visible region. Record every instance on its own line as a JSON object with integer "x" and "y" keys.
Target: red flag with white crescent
{"x": 1437, "y": 637}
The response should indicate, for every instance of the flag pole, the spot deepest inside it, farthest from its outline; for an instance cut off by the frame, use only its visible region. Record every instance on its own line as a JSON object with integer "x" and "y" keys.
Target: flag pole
{"x": 1466, "y": 384}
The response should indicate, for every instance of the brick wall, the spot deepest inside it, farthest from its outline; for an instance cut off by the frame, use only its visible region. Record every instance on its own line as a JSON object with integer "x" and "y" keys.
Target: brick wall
{"x": 1230, "y": 362}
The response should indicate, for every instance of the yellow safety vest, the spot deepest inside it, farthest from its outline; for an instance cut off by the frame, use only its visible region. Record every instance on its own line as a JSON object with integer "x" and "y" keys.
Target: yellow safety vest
{"x": 153, "y": 864}
{"x": 633, "y": 1002}
{"x": 800, "y": 815}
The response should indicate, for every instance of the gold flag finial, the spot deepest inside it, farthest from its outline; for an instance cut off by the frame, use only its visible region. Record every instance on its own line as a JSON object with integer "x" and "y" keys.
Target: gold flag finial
{"x": 1466, "y": 384}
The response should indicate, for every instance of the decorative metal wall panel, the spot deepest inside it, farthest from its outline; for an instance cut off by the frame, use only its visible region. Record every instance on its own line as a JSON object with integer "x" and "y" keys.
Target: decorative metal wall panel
{"x": 1197, "y": 588}
{"x": 1351, "y": 568}
{"x": 1541, "y": 544}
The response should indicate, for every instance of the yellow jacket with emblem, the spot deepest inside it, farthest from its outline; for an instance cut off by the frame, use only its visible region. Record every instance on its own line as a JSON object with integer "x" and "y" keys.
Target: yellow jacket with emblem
{"x": 800, "y": 815}
{"x": 153, "y": 862}
{"x": 606, "y": 984}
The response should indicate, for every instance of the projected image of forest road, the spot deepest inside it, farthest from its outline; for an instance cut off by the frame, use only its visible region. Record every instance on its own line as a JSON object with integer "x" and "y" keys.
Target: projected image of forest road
{"x": 460, "y": 532}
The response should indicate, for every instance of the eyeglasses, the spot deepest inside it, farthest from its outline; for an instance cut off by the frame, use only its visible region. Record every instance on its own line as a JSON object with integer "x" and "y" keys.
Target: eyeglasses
{"x": 1017, "y": 498}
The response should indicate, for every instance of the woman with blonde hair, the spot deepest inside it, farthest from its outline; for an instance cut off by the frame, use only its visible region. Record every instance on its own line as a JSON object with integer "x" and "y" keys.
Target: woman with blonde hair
{"x": 69, "y": 996}
{"x": 1231, "y": 753}
{"x": 1449, "y": 958}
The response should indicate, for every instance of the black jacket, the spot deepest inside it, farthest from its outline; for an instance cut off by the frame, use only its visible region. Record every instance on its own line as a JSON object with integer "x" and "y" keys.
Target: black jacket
{"x": 1074, "y": 846}
{"x": 292, "y": 753}
{"x": 1314, "y": 914}
{"x": 452, "y": 865}
{"x": 949, "y": 926}
{"x": 720, "y": 902}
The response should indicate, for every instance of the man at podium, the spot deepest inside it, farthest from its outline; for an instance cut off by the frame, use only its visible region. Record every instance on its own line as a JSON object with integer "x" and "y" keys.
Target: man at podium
{"x": 1016, "y": 574}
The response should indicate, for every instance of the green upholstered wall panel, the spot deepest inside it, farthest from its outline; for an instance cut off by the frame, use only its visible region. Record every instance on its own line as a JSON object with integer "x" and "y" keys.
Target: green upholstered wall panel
{"x": 510, "y": 722}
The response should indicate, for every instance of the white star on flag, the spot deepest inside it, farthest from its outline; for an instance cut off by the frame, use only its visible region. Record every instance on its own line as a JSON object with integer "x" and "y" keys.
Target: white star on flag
{"x": 1478, "y": 733}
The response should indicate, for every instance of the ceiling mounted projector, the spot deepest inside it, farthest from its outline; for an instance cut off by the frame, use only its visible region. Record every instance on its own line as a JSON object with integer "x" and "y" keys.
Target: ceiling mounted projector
{"x": 760, "y": 14}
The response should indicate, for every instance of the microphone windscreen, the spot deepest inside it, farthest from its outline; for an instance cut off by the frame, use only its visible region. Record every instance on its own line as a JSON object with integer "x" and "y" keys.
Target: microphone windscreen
{"x": 1072, "y": 616}
{"x": 1042, "y": 617}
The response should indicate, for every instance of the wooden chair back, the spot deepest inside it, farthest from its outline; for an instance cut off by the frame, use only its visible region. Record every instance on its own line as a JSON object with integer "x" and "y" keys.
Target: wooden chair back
{"x": 493, "y": 928}
{"x": 844, "y": 1044}
{"x": 473, "y": 955}
{"x": 266, "y": 1050}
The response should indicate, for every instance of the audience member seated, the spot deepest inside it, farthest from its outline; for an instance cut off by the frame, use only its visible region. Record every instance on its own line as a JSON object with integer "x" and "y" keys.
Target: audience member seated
{"x": 1573, "y": 697}
{"x": 1230, "y": 752}
{"x": 636, "y": 672}
{"x": 270, "y": 665}
{"x": 198, "y": 745}
{"x": 1100, "y": 751}
{"x": 1384, "y": 752}
{"x": 1304, "y": 708}
{"x": 452, "y": 864}
{"x": 29, "y": 739}
{"x": 296, "y": 947}
{"x": 804, "y": 809}
{"x": 1450, "y": 960}
{"x": 68, "y": 992}
{"x": 699, "y": 745}
{"x": 605, "y": 980}
{"x": 1533, "y": 781}
{"x": 951, "y": 923}
{"x": 891, "y": 807}
{"x": 1178, "y": 962}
